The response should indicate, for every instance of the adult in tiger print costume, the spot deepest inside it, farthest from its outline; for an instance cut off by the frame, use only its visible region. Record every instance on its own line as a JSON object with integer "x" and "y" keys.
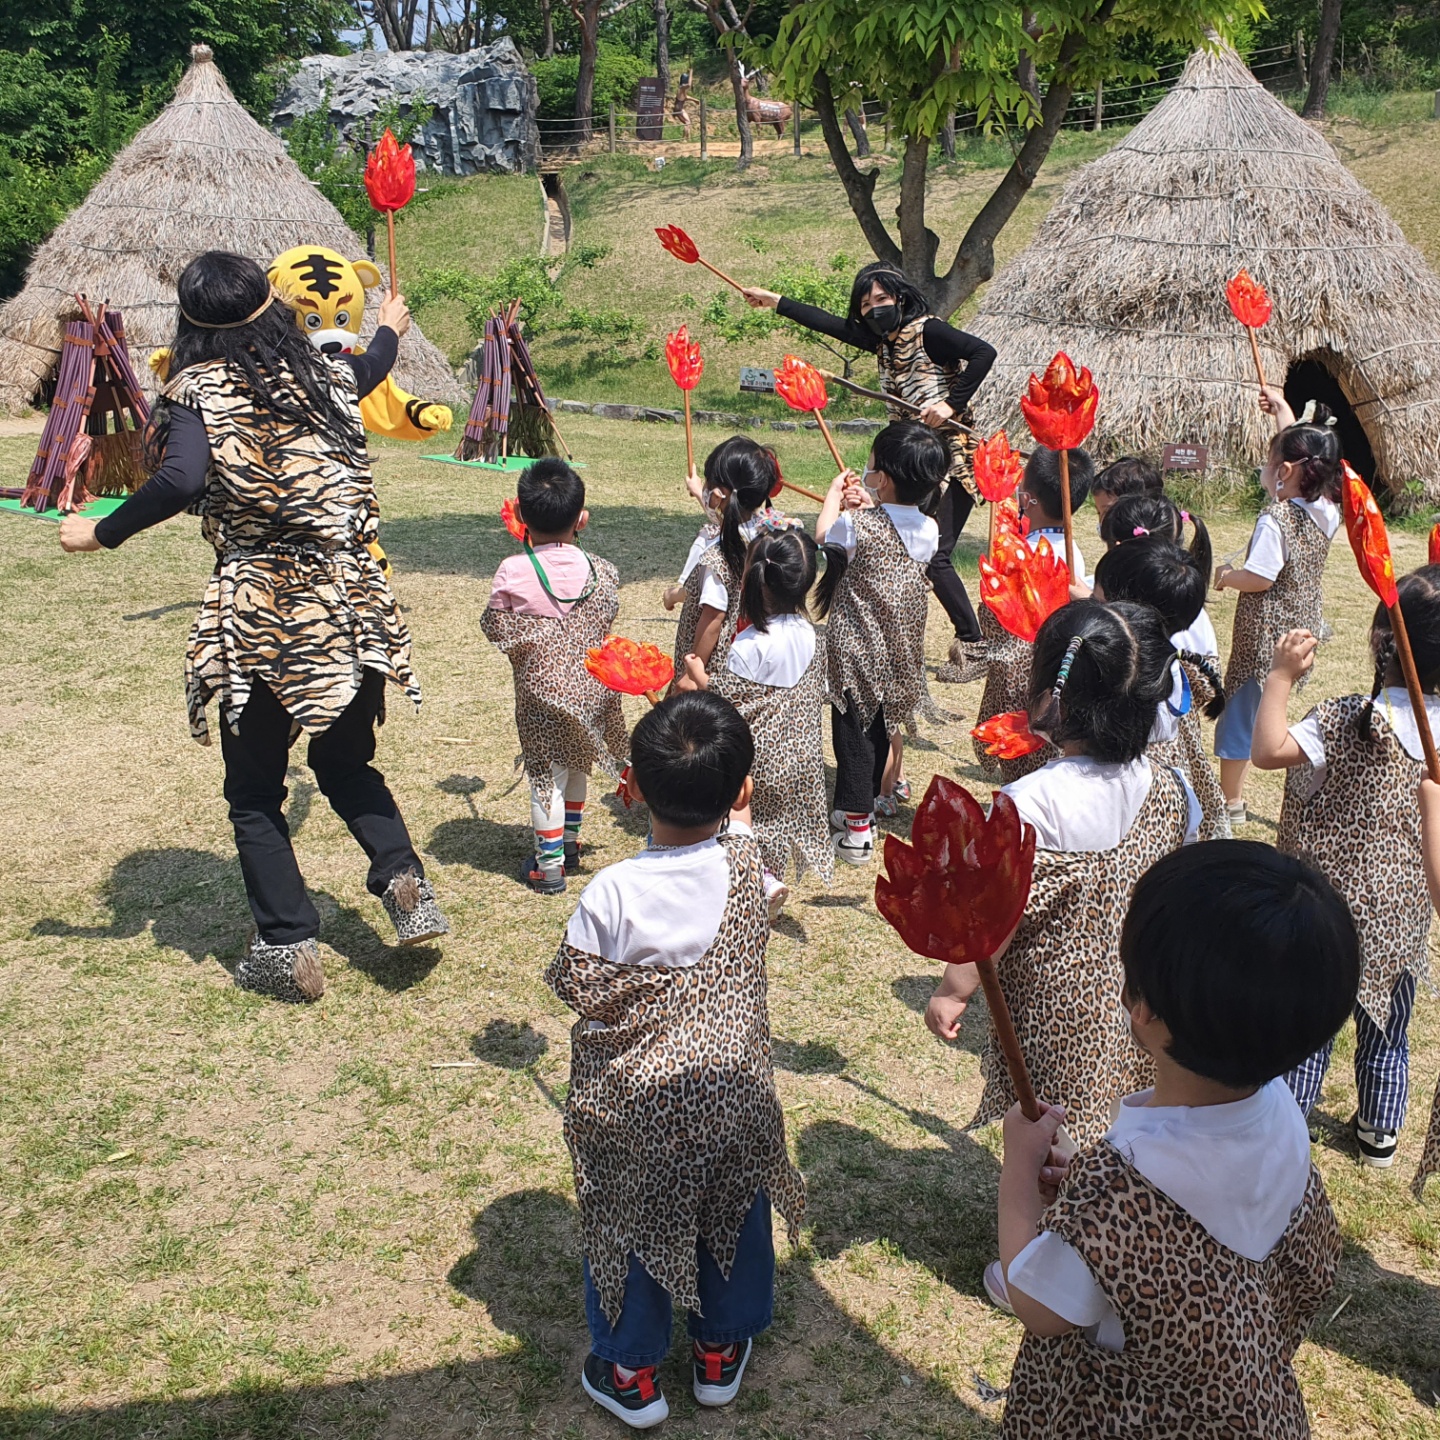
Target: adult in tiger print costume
{"x": 933, "y": 365}
{"x": 298, "y": 630}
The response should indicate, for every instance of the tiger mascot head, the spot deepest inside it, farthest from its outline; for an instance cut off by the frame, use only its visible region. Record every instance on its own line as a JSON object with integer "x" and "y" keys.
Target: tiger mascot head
{"x": 327, "y": 293}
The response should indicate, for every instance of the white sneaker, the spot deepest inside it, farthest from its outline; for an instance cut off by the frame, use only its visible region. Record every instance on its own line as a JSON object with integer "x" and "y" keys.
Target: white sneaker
{"x": 853, "y": 852}
{"x": 718, "y": 1382}
{"x": 1376, "y": 1147}
{"x": 776, "y": 894}
{"x": 994, "y": 1282}
{"x": 837, "y": 820}
{"x": 1235, "y": 810}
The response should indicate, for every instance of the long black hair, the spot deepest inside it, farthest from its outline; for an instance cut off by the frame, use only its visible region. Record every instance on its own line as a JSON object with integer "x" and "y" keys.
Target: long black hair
{"x": 1315, "y": 447}
{"x": 1158, "y": 517}
{"x": 779, "y": 573}
{"x": 749, "y": 471}
{"x": 1420, "y": 605}
{"x": 908, "y": 296}
{"x": 274, "y": 361}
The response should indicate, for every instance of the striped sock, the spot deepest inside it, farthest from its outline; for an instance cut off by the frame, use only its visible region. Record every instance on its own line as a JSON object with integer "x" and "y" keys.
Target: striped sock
{"x": 857, "y": 828}
{"x": 550, "y": 849}
{"x": 574, "y": 814}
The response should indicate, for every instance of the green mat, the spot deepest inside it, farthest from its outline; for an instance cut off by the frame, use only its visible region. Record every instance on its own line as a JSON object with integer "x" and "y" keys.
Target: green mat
{"x": 97, "y": 509}
{"x": 510, "y": 462}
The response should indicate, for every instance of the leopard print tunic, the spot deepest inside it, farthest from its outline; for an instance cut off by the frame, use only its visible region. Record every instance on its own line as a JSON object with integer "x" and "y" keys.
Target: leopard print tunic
{"x": 907, "y": 371}
{"x": 1210, "y": 1337}
{"x": 1291, "y": 603}
{"x": 712, "y": 560}
{"x": 1062, "y": 973}
{"x": 1187, "y": 754}
{"x": 672, "y": 1119}
{"x": 296, "y": 599}
{"x": 1007, "y": 688}
{"x": 1361, "y": 830}
{"x": 789, "y": 806}
{"x": 564, "y": 715}
{"x": 876, "y": 631}
{"x": 1430, "y": 1156}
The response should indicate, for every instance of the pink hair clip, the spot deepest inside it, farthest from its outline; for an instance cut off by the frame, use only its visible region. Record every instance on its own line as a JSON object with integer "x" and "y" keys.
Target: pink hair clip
{"x": 1139, "y": 530}
{"x": 1184, "y": 517}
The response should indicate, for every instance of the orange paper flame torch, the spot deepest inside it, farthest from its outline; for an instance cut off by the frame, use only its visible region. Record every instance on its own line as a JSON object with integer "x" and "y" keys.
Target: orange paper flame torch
{"x": 684, "y": 249}
{"x": 390, "y": 183}
{"x": 1060, "y": 411}
{"x": 682, "y": 355}
{"x": 630, "y": 668}
{"x": 998, "y": 469}
{"x": 801, "y": 387}
{"x": 1023, "y": 587}
{"x": 1250, "y": 304}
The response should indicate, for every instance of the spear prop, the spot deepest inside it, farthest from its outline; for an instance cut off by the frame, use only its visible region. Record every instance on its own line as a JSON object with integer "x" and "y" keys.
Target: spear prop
{"x": 898, "y": 401}
{"x": 684, "y": 249}
{"x": 390, "y": 183}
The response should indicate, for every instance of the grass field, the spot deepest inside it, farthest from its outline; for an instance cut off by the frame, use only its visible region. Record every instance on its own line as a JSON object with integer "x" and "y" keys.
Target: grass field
{"x": 224, "y": 1217}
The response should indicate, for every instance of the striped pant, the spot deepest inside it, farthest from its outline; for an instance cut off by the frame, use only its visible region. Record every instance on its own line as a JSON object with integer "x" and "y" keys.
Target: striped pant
{"x": 1382, "y": 1064}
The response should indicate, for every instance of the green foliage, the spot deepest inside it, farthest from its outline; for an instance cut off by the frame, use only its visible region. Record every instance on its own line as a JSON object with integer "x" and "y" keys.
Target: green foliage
{"x": 33, "y": 200}
{"x": 617, "y": 72}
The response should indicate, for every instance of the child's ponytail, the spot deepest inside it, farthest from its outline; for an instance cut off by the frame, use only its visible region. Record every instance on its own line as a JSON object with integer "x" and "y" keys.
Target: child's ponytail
{"x": 1313, "y": 445}
{"x": 749, "y": 473}
{"x": 779, "y": 573}
{"x": 1215, "y": 706}
{"x": 1202, "y": 553}
{"x": 837, "y": 561}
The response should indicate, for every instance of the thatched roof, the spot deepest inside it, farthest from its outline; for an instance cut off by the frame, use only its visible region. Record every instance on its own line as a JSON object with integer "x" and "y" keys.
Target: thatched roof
{"x": 1128, "y": 271}
{"x": 202, "y": 175}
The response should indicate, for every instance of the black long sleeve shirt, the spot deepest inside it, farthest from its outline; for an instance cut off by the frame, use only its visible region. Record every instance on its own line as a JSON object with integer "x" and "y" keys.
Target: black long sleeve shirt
{"x": 180, "y": 480}
{"x": 944, "y": 344}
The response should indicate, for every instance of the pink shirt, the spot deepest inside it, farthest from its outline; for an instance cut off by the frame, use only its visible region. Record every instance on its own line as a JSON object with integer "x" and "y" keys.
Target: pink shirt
{"x": 517, "y": 587}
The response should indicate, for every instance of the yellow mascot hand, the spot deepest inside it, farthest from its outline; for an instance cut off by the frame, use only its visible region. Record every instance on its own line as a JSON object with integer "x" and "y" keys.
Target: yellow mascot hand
{"x": 159, "y": 363}
{"x": 388, "y": 410}
{"x": 380, "y": 558}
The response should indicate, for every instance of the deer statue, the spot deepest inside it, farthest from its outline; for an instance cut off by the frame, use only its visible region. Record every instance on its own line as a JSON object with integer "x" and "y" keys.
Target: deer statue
{"x": 763, "y": 112}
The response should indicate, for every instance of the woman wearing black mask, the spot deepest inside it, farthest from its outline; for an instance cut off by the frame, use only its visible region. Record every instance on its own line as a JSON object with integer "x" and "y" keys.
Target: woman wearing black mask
{"x": 933, "y": 365}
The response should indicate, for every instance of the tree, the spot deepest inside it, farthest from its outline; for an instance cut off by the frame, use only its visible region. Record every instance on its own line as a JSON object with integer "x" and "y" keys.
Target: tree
{"x": 923, "y": 59}
{"x": 729, "y": 27}
{"x": 589, "y": 14}
{"x": 1322, "y": 57}
{"x": 394, "y": 18}
{"x": 662, "y": 46}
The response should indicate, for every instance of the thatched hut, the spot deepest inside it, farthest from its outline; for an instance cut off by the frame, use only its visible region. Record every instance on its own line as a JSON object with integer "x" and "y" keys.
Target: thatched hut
{"x": 202, "y": 175}
{"x": 1128, "y": 271}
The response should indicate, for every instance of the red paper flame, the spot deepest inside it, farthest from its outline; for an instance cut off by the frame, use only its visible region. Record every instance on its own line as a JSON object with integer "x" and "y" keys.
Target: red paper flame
{"x": 799, "y": 385}
{"x": 959, "y": 888}
{"x": 1248, "y": 302}
{"x": 1435, "y": 546}
{"x": 1008, "y": 736}
{"x": 682, "y": 355}
{"x": 390, "y": 174}
{"x": 510, "y": 514}
{"x": 997, "y": 468}
{"x": 632, "y": 669}
{"x": 1060, "y": 409}
{"x": 1368, "y": 539}
{"x": 1023, "y": 587}
{"x": 1009, "y": 520}
{"x": 678, "y": 243}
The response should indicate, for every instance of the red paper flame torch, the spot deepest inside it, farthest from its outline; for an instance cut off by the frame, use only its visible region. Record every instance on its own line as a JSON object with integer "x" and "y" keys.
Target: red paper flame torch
{"x": 1023, "y": 587}
{"x": 510, "y": 514}
{"x": 684, "y": 249}
{"x": 1250, "y": 305}
{"x": 957, "y": 892}
{"x": 800, "y": 386}
{"x": 390, "y": 183}
{"x": 1434, "y": 548}
{"x": 1008, "y": 736}
{"x": 682, "y": 355}
{"x": 998, "y": 469}
{"x": 630, "y": 668}
{"x": 1060, "y": 411}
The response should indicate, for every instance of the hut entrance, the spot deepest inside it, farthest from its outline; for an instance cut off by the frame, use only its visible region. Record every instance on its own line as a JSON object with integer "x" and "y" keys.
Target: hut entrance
{"x": 1311, "y": 379}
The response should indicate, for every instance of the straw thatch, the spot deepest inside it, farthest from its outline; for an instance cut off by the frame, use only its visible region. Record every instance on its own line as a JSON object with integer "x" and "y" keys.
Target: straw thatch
{"x": 203, "y": 175}
{"x": 1127, "y": 274}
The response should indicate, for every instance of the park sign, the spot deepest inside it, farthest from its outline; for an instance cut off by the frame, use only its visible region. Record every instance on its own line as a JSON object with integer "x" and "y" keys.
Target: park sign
{"x": 755, "y": 381}
{"x": 650, "y": 110}
{"x": 1185, "y": 457}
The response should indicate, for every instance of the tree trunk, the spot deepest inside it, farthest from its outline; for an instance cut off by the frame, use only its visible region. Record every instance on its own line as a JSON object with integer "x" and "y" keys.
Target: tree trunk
{"x": 742, "y": 118}
{"x": 662, "y": 46}
{"x": 861, "y": 134}
{"x": 947, "y": 136}
{"x": 589, "y": 18}
{"x": 1321, "y": 58}
{"x": 918, "y": 243}
{"x": 547, "y": 22}
{"x": 859, "y": 189}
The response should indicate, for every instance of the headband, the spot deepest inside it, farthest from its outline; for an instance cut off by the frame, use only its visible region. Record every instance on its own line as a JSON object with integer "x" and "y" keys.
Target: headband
{"x": 230, "y": 324}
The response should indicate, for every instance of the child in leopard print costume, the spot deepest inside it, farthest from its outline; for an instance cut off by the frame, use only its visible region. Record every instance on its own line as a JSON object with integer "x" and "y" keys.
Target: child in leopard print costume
{"x": 672, "y": 1119}
{"x": 547, "y": 608}
{"x": 1165, "y": 1275}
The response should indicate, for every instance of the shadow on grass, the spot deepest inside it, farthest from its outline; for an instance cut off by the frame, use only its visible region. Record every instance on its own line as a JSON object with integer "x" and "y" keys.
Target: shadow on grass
{"x": 482, "y": 844}
{"x": 914, "y": 992}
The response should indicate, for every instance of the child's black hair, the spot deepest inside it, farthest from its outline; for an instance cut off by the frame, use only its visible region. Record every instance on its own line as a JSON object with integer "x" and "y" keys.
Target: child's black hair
{"x": 1248, "y": 955}
{"x": 1141, "y": 517}
{"x": 749, "y": 471}
{"x": 908, "y": 297}
{"x": 690, "y": 755}
{"x": 1315, "y": 447}
{"x": 1420, "y": 605}
{"x": 914, "y": 457}
{"x": 779, "y": 574}
{"x": 1042, "y": 478}
{"x": 1098, "y": 673}
{"x": 551, "y": 497}
{"x": 1129, "y": 475}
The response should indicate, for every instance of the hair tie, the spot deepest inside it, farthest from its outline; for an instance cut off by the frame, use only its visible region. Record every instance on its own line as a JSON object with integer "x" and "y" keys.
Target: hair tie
{"x": 232, "y": 324}
{"x": 1184, "y": 517}
{"x": 1071, "y": 651}
{"x": 1139, "y": 530}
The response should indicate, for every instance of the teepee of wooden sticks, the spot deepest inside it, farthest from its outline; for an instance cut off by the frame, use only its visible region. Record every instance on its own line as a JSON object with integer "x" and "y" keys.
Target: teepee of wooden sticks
{"x": 509, "y": 414}
{"x": 92, "y": 438}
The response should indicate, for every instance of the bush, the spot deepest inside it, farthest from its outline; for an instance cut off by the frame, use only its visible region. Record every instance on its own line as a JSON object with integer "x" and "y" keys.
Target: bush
{"x": 617, "y": 73}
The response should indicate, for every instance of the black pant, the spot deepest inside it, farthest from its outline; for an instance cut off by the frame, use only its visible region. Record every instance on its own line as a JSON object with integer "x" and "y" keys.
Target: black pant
{"x": 255, "y": 764}
{"x": 954, "y": 510}
{"x": 860, "y": 756}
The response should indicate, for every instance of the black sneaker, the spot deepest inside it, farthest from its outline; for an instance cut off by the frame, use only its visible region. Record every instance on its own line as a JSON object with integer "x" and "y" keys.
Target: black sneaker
{"x": 640, "y": 1403}
{"x": 718, "y": 1371}
{"x": 542, "y": 884}
{"x": 1376, "y": 1147}
{"x": 572, "y": 857}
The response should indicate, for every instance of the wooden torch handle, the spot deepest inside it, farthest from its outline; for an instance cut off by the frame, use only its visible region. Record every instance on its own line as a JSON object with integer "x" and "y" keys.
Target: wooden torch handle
{"x": 721, "y": 274}
{"x": 1412, "y": 687}
{"x": 829, "y": 439}
{"x": 390, "y": 234}
{"x": 1009, "y": 1040}
{"x": 801, "y": 490}
{"x": 689, "y": 437}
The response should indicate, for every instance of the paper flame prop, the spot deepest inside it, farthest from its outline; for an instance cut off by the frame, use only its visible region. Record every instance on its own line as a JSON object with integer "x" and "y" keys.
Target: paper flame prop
{"x": 1008, "y": 736}
{"x": 997, "y": 468}
{"x": 1009, "y": 521}
{"x": 1060, "y": 408}
{"x": 1023, "y": 587}
{"x": 799, "y": 385}
{"x": 1248, "y": 302}
{"x": 631, "y": 668}
{"x": 682, "y": 355}
{"x": 510, "y": 514}
{"x": 390, "y": 175}
{"x": 1434, "y": 554}
{"x": 1368, "y": 539}
{"x": 678, "y": 243}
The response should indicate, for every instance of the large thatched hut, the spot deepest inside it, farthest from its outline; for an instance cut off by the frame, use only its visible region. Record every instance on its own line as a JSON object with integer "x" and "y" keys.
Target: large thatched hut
{"x": 1128, "y": 271}
{"x": 202, "y": 175}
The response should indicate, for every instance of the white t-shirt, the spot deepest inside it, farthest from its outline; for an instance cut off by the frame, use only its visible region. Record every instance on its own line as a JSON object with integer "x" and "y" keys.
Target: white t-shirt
{"x": 713, "y": 591}
{"x": 1057, "y": 548}
{"x": 709, "y": 534}
{"x": 1076, "y": 803}
{"x": 779, "y": 657}
{"x": 1240, "y": 1170}
{"x": 1268, "y": 551}
{"x": 1199, "y": 639}
{"x": 660, "y": 907}
{"x": 919, "y": 533}
{"x": 1394, "y": 703}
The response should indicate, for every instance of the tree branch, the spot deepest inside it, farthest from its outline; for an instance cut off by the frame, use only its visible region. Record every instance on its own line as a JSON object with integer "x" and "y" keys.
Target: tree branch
{"x": 859, "y": 188}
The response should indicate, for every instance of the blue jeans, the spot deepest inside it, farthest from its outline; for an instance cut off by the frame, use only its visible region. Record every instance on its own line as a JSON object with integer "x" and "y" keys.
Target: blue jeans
{"x": 730, "y": 1310}
{"x": 1236, "y": 725}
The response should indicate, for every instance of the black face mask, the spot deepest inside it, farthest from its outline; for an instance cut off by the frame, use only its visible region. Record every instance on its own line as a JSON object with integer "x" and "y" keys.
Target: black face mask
{"x": 883, "y": 319}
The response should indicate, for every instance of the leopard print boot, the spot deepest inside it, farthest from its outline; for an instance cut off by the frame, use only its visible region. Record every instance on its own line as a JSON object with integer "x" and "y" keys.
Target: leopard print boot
{"x": 966, "y": 662}
{"x": 288, "y": 972}
{"x": 410, "y": 903}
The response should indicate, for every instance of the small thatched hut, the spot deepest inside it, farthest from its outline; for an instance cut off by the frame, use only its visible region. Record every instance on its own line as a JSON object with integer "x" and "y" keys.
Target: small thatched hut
{"x": 202, "y": 175}
{"x": 1127, "y": 274}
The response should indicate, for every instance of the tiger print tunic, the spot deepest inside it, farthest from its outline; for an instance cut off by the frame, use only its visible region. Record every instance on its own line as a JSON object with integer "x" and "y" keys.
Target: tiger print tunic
{"x": 789, "y": 806}
{"x": 1291, "y": 603}
{"x": 875, "y": 636}
{"x": 1187, "y": 753}
{"x": 563, "y": 714}
{"x": 296, "y": 599}
{"x": 1062, "y": 976}
{"x": 672, "y": 1119}
{"x": 1210, "y": 1336}
{"x": 907, "y": 371}
{"x": 1007, "y": 688}
{"x": 714, "y": 561}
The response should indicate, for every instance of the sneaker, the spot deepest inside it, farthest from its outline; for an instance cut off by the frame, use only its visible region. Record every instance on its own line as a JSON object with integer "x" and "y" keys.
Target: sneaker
{"x": 1377, "y": 1147}
{"x": 775, "y": 900}
{"x": 410, "y": 903}
{"x": 542, "y": 882}
{"x": 572, "y": 857}
{"x": 852, "y": 852}
{"x": 287, "y": 972}
{"x": 718, "y": 1371}
{"x": 1235, "y": 812}
{"x": 901, "y": 791}
{"x": 639, "y": 1402}
{"x": 887, "y": 806}
{"x": 837, "y": 819}
{"x": 994, "y": 1282}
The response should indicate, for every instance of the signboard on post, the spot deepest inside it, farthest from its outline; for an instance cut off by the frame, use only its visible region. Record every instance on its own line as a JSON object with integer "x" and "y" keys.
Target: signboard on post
{"x": 1185, "y": 457}
{"x": 757, "y": 381}
{"x": 650, "y": 110}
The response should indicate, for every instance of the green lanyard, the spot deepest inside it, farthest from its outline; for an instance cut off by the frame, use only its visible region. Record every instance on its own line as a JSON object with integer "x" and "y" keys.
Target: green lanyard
{"x": 585, "y": 594}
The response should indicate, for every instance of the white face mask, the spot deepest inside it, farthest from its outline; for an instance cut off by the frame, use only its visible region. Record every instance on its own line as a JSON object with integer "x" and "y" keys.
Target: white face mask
{"x": 871, "y": 490}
